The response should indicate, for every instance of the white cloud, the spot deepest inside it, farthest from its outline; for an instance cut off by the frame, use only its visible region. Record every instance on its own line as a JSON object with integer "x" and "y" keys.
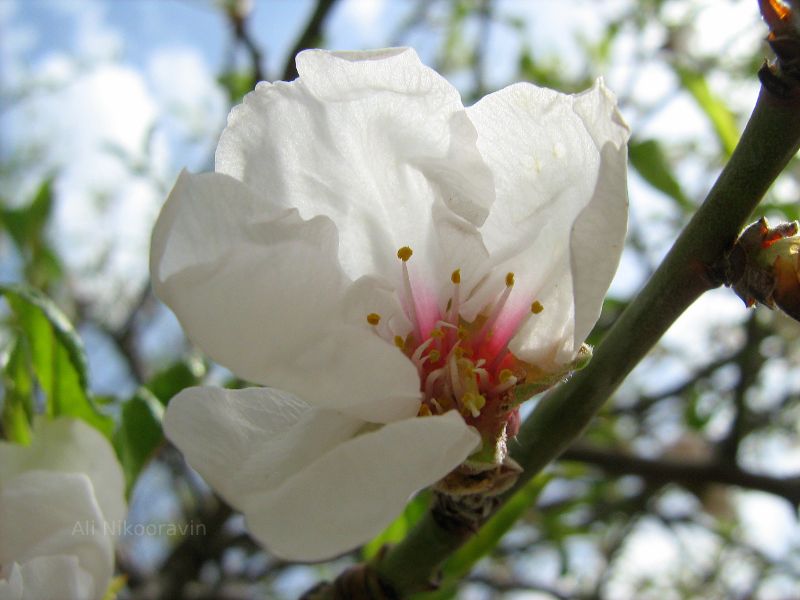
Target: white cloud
{"x": 193, "y": 105}
{"x": 365, "y": 15}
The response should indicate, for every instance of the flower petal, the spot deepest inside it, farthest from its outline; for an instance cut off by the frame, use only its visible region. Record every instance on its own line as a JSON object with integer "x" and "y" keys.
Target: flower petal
{"x": 252, "y": 439}
{"x": 48, "y": 577}
{"x": 51, "y": 505}
{"x": 263, "y": 294}
{"x": 353, "y": 491}
{"x": 71, "y": 446}
{"x": 371, "y": 140}
{"x": 559, "y": 168}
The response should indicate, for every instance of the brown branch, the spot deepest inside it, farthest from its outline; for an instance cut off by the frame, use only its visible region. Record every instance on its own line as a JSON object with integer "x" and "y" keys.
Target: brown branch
{"x": 646, "y": 402}
{"x": 310, "y": 38}
{"x": 243, "y": 37}
{"x": 749, "y": 362}
{"x": 688, "y": 473}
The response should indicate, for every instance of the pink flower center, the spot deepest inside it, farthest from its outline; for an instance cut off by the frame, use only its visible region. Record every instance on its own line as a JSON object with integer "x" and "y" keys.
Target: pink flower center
{"x": 462, "y": 365}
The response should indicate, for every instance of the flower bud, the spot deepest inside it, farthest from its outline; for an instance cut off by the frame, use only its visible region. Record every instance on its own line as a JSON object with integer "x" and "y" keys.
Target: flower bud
{"x": 765, "y": 266}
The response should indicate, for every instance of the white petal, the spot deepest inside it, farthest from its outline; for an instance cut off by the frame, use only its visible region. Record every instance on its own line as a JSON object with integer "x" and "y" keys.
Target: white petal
{"x": 352, "y": 492}
{"x": 47, "y": 513}
{"x": 71, "y": 446}
{"x": 49, "y": 577}
{"x": 559, "y": 168}
{"x": 252, "y": 439}
{"x": 597, "y": 241}
{"x": 372, "y": 140}
{"x": 11, "y": 583}
{"x": 264, "y": 295}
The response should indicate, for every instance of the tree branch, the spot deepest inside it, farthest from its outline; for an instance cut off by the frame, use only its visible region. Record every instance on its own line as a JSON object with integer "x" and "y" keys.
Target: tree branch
{"x": 310, "y": 38}
{"x": 691, "y": 474}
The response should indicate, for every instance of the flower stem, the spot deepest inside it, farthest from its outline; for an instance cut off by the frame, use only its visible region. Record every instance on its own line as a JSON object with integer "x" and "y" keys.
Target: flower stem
{"x": 769, "y": 141}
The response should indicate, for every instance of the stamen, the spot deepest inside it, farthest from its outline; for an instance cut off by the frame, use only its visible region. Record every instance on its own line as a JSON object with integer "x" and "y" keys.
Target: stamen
{"x": 399, "y": 342}
{"x": 404, "y": 254}
{"x": 504, "y": 385}
{"x": 382, "y": 330}
{"x": 536, "y": 307}
{"x": 473, "y": 403}
{"x": 483, "y": 377}
{"x": 424, "y": 411}
{"x": 455, "y": 304}
{"x": 496, "y": 310}
{"x": 431, "y": 380}
{"x": 433, "y": 357}
{"x": 419, "y": 351}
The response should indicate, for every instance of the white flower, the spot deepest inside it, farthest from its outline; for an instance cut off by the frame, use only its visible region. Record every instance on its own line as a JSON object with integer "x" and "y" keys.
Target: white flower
{"x": 60, "y": 499}
{"x": 292, "y": 265}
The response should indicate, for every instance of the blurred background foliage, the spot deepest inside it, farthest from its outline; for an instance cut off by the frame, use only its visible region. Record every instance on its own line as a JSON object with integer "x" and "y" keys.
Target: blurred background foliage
{"x": 688, "y": 482}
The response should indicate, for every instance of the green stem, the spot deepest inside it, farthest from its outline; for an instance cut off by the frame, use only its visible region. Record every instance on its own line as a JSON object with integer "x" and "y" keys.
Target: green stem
{"x": 410, "y": 565}
{"x": 769, "y": 141}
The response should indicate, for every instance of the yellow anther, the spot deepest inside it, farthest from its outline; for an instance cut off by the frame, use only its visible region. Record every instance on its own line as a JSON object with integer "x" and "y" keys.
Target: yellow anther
{"x": 505, "y": 375}
{"x": 536, "y": 307}
{"x": 404, "y": 253}
{"x": 434, "y": 355}
{"x": 424, "y": 411}
{"x": 399, "y": 342}
{"x": 437, "y": 333}
{"x": 459, "y": 352}
{"x": 473, "y": 403}
{"x": 456, "y": 276}
{"x": 462, "y": 333}
{"x": 509, "y": 279}
{"x": 373, "y": 318}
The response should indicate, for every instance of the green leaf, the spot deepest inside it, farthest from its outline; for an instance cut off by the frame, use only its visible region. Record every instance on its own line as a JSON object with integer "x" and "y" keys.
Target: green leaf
{"x": 648, "y": 159}
{"x": 53, "y": 353}
{"x": 398, "y": 529}
{"x": 722, "y": 119}
{"x": 461, "y": 562}
{"x": 237, "y": 84}
{"x": 26, "y": 227}
{"x": 139, "y": 434}
{"x": 28, "y": 221}
{"x": 18, "y": 398}
{"x": 182, "y": 374}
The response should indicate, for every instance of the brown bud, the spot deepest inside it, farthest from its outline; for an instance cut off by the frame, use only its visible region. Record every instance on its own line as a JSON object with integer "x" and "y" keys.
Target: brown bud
{"x": 783, "y": 19}
{"x": 764, "y": 266}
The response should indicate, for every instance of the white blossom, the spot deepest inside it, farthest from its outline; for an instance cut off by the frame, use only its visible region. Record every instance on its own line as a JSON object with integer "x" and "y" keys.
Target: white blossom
{"x": 378, "y": 252}
{"x": 61, "y": 498}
